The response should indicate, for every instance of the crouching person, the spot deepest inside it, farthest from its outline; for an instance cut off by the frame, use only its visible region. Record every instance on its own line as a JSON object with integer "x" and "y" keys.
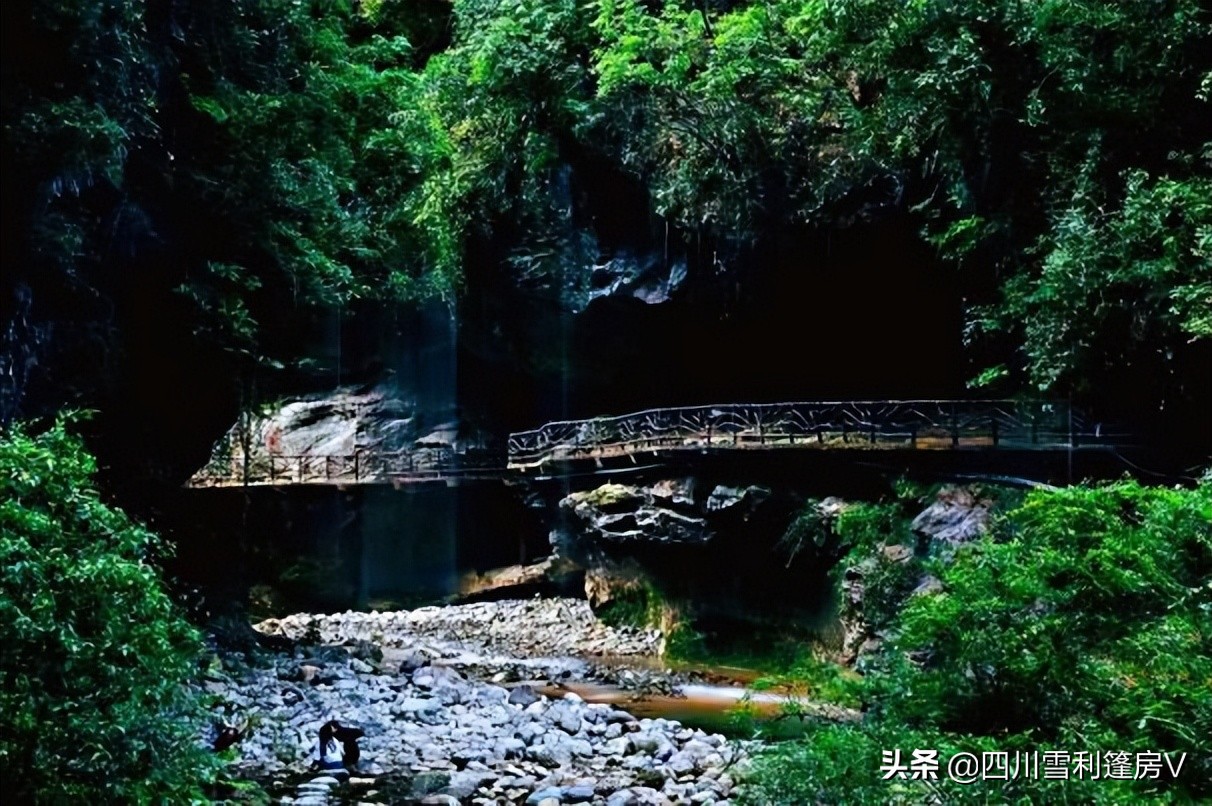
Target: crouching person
{"x": 337, "y": 751}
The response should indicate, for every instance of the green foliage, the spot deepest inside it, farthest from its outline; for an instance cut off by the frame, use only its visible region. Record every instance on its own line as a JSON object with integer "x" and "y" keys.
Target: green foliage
{"x": 321, "y": 143}
{"x": 637, "y": 606}
{"x": 1052, "y": 149}
{"x": 1134, "y": 274}
{"x": 1082, "y": 623}
{"x": 1055, "y": 151}
{"x": 1097, "y": 607}
{"x": 94, "y": 656}
{"x": 853, "y": 529}
{"x": 887, "y": 583}
{"x": 863, "y": 526}
{"x": 814, "y": 677}
{"x": 830, "y": 764}
{"x": 684, "y": 642}
{"x": 89, "y": 122}
{"x": 877, "y": 541}
{"x": 811, "y": 527}
{"x": 511, "y": 86}
{"x": 275, "y": 150}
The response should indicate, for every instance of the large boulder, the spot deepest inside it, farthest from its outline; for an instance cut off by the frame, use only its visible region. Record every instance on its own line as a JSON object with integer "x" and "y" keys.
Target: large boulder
{"x": 672, "y": 512}
{"x": 725, "y": 498}
{"x": 554, "y": 570}
{"x": 622, "y": 514}
{"x": 957, "y": 515}
{"x": 329, "y": 428}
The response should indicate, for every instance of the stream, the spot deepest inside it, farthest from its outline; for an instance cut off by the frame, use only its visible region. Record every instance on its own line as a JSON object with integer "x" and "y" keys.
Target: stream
{"x": 711, "y": 697}
{"x": 505, "y": 702}
{"x": 716, "y": 708}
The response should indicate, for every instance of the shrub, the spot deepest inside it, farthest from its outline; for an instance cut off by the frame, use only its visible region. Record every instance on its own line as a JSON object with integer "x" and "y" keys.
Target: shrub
{"x": 94, "y": 655}
{"x": 1082, "y": 623}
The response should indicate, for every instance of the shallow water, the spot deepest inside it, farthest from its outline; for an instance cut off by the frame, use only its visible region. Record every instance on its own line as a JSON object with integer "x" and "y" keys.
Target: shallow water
{"x": 715, "y": 673}
{"x": 734, "y": 711}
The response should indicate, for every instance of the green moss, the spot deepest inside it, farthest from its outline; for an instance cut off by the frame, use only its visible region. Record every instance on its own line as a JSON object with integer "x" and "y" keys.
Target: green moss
{"x": 608, "y": 495}
{"x": 684, "y": 642}
{"x": 812, "y": 676}
{"x": 642, "y": 605}
{"x": 630, "y": 607}
{"x": 758, "y": 647}
{"x": 636, "y": 603}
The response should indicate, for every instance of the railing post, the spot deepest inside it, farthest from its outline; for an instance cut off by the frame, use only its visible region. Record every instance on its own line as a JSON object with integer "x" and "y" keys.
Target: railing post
{"x": 954, "y": 427}
{"x": 271, "y": 467}
{"x": 356, "y": 463}
{"x": 993, "y": 429}
{"x": 708, "y": 433}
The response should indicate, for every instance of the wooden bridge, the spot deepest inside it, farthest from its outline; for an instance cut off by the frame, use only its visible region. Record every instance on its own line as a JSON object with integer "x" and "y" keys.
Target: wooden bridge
{"x": 657, "y": 435}
{"x": 908, "y": 425}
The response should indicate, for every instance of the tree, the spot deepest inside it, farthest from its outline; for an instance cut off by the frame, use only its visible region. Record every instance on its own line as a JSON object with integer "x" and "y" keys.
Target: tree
{"x": 95, "y": 657}
{"x": 1056, "y": 152}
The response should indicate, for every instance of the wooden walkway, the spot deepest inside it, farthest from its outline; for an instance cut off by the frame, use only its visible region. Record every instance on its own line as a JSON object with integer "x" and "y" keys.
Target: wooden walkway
{"x": 900, "y": 425}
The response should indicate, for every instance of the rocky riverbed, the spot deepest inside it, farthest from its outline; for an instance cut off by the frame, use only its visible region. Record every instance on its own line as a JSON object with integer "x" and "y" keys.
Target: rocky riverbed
{"x": 450, "y": 705}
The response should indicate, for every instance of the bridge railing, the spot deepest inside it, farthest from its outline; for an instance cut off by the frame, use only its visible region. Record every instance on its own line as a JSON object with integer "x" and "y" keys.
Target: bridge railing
{"x": 851, "y": 425}
{"x": 363, "y": 466}
{"x": 912, "y": 424}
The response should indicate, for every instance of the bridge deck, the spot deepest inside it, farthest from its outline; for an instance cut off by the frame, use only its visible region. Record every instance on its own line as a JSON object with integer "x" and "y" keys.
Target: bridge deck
{"x": 915, "y": 425}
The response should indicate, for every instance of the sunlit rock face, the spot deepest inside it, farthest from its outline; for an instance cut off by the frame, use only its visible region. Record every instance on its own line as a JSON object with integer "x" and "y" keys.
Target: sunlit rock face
{"x": 371, "y": 421}
{"x": 724, "y": 498}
